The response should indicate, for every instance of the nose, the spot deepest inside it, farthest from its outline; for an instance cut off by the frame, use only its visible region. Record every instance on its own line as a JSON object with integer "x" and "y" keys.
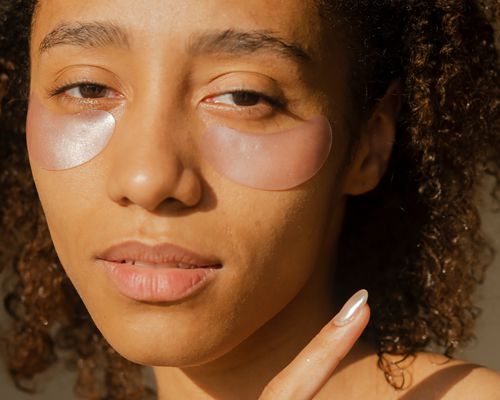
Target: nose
{"x": 149, "y": 164}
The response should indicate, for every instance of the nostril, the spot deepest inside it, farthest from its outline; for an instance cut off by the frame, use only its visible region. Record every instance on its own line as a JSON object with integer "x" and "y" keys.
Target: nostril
{"x": 169, "y": 202}
{"x": 124, "y": 201}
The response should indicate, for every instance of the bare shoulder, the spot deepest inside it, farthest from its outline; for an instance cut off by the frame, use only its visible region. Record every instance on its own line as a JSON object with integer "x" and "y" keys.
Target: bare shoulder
{"x": 481, "y": 383}
{"x": 425, "y": 376}
{"x": 436, "y": 377}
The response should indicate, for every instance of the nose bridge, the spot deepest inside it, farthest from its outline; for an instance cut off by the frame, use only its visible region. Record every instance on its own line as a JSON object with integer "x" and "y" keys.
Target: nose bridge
{"x": 151, "y": 124}
{"x": 148, "y": 164}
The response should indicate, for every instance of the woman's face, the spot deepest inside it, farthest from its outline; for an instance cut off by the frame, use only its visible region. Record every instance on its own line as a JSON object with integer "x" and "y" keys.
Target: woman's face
{"x": 169, "y": 74}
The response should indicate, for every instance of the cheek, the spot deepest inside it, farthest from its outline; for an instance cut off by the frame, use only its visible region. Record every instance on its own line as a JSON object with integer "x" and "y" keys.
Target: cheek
{"x": 58, "y": 141}
{"x": 278, "y": 161}
{"x": 67, "y": 199}
{"x": 274, "y": 239}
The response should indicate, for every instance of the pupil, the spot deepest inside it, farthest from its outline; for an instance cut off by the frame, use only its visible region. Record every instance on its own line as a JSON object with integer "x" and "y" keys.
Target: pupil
{"x": 246, "y": 98}
{"x": 92, "y": 91}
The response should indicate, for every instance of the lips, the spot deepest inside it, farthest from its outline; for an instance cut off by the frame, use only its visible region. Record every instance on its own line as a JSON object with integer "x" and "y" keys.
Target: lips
{"x": 163, "y": 272}
{"x": 159, "y": 256}
{"x": 163, "y": 265}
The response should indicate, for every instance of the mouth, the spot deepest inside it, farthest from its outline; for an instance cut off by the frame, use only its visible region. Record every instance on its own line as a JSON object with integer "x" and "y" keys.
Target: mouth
{"x": 180, "y": 265}
{"x": 159, "y": 273}
{"x": 163, "y": 255}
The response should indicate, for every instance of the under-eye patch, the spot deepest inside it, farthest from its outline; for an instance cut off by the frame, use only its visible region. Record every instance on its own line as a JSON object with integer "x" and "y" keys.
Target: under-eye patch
{"x": 62, "y": 141}
{"x": 277, "y": 161}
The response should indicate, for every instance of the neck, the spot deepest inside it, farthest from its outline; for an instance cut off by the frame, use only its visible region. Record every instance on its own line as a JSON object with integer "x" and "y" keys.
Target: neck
{"x": 244, "y": 372}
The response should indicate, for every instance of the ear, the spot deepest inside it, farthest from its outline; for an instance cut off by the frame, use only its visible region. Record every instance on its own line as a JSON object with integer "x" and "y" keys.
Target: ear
{"x": 374, "y": 149}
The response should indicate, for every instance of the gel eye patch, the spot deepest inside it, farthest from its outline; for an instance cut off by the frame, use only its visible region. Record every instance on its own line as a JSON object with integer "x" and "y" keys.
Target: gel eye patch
{"x": 277, "y": 161}
{"x": 61, "y": 141}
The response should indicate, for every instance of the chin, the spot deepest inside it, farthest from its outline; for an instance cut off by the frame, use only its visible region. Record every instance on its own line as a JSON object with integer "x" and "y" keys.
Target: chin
{"x": 154, "y": 340}
{"x": 168, "y": 352}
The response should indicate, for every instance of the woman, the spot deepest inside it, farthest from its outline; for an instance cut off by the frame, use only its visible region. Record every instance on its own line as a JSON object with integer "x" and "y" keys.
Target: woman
{"x": 218, "y": 177}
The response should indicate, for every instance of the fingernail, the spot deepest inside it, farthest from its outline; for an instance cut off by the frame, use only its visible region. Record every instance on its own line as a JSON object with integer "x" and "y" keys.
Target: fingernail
{"x": 351, "y": 308}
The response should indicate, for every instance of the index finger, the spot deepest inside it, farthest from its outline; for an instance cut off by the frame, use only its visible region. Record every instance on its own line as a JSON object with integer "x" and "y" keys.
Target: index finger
{"x": 313, "y": 366}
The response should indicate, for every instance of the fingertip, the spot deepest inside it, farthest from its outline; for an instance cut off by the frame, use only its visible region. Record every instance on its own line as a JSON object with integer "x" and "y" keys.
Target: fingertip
{"x": 351, "y": 309}
{"x": 365, "y": 314}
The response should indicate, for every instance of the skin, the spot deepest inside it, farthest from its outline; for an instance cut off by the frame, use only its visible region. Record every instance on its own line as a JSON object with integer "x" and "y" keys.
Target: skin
{"x": 235, "y": 338}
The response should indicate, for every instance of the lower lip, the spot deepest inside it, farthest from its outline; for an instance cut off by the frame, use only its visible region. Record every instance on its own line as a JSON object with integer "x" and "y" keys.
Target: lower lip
{"x": 157, "y": 284}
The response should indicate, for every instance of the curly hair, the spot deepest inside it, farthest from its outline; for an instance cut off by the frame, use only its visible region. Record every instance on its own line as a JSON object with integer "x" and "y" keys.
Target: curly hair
{"x": 431, "y": 251}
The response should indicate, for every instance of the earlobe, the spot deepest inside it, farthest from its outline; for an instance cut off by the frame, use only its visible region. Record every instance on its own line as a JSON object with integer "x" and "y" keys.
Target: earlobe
{"x": 375, "y": 146}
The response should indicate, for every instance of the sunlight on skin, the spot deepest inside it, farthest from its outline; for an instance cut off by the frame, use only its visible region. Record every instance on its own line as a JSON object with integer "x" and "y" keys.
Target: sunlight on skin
{"x": 261, "y": 325}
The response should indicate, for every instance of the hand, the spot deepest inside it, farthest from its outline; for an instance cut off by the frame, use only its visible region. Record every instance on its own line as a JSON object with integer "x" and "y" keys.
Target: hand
{"x": 310, "y": 370}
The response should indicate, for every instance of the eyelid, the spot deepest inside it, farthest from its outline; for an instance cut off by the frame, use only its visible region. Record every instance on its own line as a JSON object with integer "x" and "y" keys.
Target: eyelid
{"x": 59, "y": 92}
{"x": 275, "y": 102}
{"x": 60, "y": 89}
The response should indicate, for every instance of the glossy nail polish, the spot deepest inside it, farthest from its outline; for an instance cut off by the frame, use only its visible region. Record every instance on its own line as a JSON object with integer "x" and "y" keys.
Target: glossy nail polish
{"x": 351, "y": 309}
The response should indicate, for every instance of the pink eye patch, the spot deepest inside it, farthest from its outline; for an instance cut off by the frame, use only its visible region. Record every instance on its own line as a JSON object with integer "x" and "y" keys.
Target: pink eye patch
{"x": 61, "y": 141}
{"x": 277, "y": 161}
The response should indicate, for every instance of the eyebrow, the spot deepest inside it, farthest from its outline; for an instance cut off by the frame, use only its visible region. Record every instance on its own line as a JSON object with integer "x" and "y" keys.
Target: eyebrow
{"x": 85, "y": 34}
{"x": 230, "y": 41}
{"x": 245, "y": 42}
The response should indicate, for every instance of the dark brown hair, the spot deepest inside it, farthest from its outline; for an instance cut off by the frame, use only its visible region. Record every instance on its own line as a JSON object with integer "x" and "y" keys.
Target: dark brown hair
{"x": 415, "y": 242}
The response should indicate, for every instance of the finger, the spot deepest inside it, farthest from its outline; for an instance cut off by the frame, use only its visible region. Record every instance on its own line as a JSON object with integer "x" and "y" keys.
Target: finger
{"x": 313, "y": 366}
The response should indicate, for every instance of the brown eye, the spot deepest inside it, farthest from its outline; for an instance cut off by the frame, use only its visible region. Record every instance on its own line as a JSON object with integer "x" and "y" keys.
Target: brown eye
{"x": 246, "y": 99}
{"x": 91, "y": 91}
{"x": 84, "y": 90}
{"x": 242, "y": 98}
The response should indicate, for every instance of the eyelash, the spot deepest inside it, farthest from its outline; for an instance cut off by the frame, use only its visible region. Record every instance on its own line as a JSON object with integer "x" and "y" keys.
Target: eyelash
{"x": 276, "y": 103}
{"x": 58, "y": 90}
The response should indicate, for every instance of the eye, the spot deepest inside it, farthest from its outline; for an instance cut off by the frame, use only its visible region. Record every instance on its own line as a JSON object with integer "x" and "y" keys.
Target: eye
{"x": 90, "y": 91}
{"x": 85, "y": 90}
{"x": 244, "y": 98}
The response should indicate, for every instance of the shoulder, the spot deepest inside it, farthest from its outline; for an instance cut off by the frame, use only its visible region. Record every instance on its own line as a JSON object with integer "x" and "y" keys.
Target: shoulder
{"x": 436, "y": 377}
{"x": 427, "y": 376}
{"x": 481, "y": 383}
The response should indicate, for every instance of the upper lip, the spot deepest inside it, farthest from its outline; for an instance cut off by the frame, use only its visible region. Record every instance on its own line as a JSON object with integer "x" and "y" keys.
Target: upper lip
{"x": 164, "y": 253}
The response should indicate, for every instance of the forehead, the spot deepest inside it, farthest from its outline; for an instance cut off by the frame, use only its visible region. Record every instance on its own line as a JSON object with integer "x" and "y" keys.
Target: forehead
{"x": 159, "y": 22}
